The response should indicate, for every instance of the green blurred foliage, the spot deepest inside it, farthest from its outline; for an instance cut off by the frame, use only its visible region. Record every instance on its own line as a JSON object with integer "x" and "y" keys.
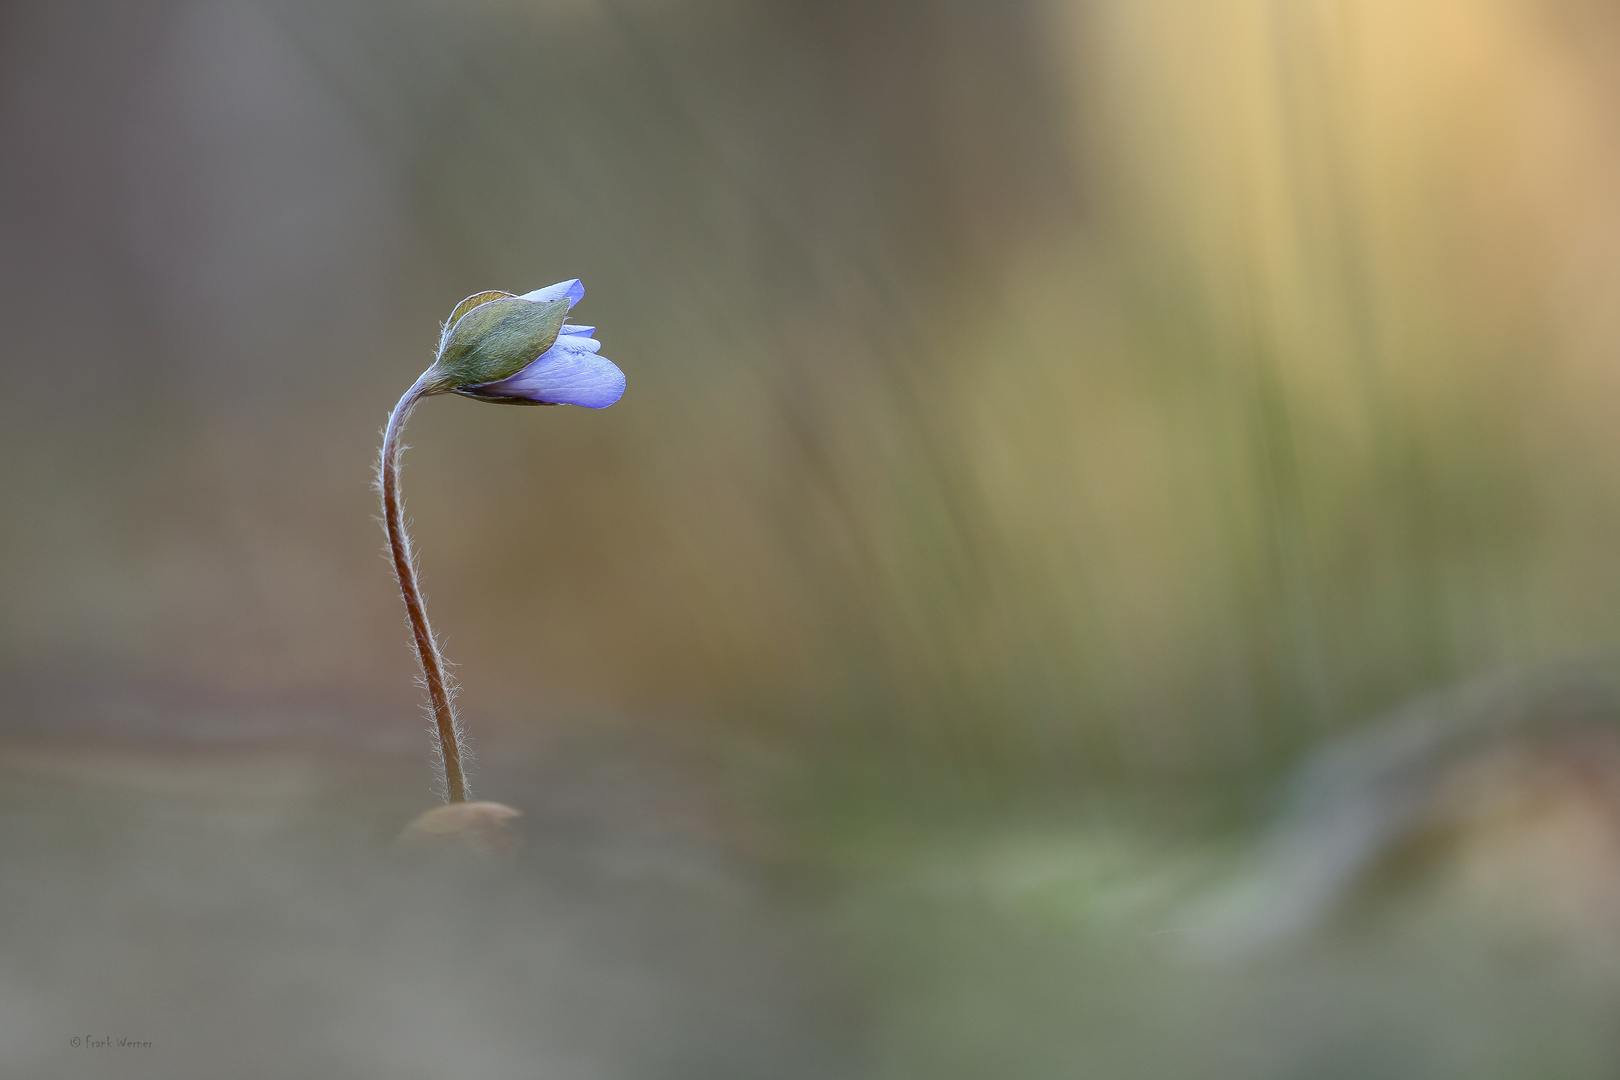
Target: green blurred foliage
{"x": 1021, "y": 395}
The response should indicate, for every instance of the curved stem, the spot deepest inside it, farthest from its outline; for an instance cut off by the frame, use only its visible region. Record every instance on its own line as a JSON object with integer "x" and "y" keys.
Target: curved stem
{"x": 427, "y": 647}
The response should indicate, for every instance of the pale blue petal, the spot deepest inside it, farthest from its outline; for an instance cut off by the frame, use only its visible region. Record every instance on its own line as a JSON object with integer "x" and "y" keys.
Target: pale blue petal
{"x": 570, "y": 290}
{"x": 576, "y": 342}
{"x": 575, "y": 328}
{"x": 568, "y": 373}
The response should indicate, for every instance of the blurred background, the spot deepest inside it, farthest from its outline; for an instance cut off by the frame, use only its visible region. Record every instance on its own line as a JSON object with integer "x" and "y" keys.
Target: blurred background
{"x": 1071, "y": 448}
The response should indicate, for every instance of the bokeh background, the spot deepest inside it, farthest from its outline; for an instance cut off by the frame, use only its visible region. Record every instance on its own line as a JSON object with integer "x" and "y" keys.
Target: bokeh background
{"x": 1049, "y": 423}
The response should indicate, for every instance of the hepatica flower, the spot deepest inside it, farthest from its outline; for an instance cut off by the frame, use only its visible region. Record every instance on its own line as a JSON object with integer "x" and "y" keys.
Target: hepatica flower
{"x": 511, "y": 350}
{"x": 520, "y": 350}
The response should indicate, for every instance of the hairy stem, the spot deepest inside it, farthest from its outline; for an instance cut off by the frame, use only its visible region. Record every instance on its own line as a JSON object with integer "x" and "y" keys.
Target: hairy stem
{"x": 427, "y": 647}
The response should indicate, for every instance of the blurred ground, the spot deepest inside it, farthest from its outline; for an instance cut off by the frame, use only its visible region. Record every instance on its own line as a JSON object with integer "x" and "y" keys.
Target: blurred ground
{"x": 233, "y": 897}
{"x": 219, "y": 880}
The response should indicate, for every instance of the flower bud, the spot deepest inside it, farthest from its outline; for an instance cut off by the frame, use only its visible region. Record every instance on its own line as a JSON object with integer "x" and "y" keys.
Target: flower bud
{"x": 519, "y": 350}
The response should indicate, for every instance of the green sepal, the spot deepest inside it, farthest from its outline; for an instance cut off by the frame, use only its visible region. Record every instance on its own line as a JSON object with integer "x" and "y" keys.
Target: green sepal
{"x": 492, "y": 336}
{"x": 476, "y": 396}
{"x": 465, "y": 306}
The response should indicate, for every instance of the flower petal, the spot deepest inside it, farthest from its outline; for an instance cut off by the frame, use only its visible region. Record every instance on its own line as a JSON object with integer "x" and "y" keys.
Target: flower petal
{"x": 575, "y": 328}
{"x": 570, "y": 290}
{"x": 568, "y": 373}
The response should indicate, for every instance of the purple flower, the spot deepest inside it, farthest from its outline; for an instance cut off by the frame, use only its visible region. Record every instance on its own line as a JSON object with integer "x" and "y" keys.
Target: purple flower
{"x": 568, "y": 373}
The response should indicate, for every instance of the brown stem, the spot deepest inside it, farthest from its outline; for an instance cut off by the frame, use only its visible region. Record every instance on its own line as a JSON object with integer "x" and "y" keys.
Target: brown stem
{"x": 427, "y": 647}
